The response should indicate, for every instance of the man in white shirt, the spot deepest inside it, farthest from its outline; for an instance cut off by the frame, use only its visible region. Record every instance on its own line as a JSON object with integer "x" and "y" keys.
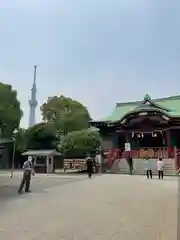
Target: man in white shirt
{"x": 160, "y": 168}
{"x": 27, "y": 171}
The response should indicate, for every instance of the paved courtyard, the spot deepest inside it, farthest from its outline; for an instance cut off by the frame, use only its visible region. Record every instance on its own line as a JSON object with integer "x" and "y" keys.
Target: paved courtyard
{"x": 103, "y": 208}
{"x": 9, "y": 186}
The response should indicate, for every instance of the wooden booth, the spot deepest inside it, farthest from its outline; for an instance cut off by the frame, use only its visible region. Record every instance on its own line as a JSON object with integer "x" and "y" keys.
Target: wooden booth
{"x": 43, "y": 160}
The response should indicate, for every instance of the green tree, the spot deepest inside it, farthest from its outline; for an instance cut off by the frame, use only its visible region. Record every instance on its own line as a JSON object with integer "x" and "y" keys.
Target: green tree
{"x": 67, "y": 114}
{"x": 10, "y": 111}
{"x": 42, "y": 136}
{"x": 20, "y": 139}
{"x": 78, "y": 143}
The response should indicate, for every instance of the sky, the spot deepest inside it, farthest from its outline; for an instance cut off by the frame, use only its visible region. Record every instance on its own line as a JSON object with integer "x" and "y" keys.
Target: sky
{"x": 98, "y": 52}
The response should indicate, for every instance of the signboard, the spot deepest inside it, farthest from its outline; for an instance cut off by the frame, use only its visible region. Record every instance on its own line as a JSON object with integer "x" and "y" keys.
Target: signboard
{"x": 146, "y": 153}
{"x": 127, "y": 147}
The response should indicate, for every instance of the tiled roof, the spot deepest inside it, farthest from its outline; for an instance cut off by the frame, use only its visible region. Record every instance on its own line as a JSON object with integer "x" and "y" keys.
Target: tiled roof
{"x": 170, "y": 106}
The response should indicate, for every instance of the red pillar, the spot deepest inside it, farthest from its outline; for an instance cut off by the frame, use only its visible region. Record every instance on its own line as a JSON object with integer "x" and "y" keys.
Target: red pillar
{"x": 177, "y": 159}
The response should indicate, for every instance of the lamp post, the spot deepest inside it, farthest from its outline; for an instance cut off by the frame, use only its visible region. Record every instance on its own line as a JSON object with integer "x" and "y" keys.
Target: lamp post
{"x": 13, "y": 154}
{"x": 1, "y": 130}
{"x": 1, "y": 133}
{"x": 13, "y": 157}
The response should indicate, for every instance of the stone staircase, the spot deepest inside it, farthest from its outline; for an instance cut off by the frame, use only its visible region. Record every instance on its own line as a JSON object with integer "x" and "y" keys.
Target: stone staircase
{"x": 121, "y": 166}
{"x": 169, "y": 170}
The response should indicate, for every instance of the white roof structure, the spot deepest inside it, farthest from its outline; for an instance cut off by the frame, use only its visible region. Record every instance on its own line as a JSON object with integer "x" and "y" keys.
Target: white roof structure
{"x": 42, "y": 152}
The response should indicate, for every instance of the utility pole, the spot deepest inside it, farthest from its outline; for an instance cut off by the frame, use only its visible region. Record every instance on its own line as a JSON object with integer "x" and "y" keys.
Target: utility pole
{"x": 13, "y": 157}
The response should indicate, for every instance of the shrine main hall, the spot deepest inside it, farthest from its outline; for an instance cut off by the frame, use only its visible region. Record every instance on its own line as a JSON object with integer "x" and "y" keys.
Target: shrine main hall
{"x": 150, "y": 126}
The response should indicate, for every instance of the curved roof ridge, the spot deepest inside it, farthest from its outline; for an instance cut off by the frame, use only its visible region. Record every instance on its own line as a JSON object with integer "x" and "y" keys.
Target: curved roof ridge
{"x": 167, "y": 98}
{"x": 129, "y": 103}
{"x": 153, "y": 99}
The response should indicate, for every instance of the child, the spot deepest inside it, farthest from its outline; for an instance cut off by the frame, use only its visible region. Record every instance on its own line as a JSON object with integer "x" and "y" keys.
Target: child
{"x": 160, "y": 168}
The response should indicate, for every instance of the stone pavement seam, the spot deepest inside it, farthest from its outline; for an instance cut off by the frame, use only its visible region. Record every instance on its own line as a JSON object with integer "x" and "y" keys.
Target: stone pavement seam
{"x": 136, "y": 236}
{"x": 111, "y": 237}
{"x": 160, "y": 234}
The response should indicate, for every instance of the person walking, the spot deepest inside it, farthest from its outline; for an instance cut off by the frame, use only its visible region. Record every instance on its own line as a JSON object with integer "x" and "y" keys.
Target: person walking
{"x": 89, "y": 164}
{"x": 130, "y": 163}
{"x": 148, "y": 167}
{"x": 27, "y": 171}
{"x": 160, "y": 168}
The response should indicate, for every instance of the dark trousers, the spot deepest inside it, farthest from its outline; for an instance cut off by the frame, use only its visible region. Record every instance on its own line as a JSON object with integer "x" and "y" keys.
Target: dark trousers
{"x": 130, "y": 169}
{"x": 25, "y": 181}
{"x": 160, "y": 174}
{"x": 149, "y": 173}
{"x": 89, "y": 173}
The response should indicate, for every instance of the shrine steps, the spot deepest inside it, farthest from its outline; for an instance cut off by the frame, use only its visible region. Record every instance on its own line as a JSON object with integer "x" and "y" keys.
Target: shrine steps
{"x": 121, "y": 166}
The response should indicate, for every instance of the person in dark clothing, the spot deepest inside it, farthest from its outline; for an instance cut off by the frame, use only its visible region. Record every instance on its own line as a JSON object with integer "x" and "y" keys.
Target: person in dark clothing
{"x": 130, "y": 163}
{"x": 28, "y": 170}
{"x": 89, "y": 164}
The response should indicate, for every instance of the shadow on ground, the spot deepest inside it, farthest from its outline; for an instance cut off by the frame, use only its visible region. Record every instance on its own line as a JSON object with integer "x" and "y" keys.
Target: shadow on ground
{"x": 7, "y": 192}
{"x": 9, "y": 186}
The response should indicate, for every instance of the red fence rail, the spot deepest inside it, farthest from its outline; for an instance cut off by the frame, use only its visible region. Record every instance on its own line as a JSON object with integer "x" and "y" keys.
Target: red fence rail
{"x": 141, "y": 152}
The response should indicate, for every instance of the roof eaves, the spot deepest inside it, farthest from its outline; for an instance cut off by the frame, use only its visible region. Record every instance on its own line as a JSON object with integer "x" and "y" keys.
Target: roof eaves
{"x": 148, "y": 110}
{"x": 99, "y": 121}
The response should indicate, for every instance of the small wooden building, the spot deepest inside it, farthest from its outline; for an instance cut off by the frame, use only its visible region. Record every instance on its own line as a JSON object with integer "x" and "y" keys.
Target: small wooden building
{"x": 44, "y": 160}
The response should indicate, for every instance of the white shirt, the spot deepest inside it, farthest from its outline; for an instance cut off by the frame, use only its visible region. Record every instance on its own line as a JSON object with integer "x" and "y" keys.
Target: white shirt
{"x": 160, "y": 165}
{"x": 27, "y": 165}
{"x": 98, "y": 159}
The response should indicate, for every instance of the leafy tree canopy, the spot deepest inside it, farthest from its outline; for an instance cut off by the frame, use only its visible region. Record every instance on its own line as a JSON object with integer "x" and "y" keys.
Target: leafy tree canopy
{"x": 20, "y": 139}
{"x": 78, "y": 143}
{"x": 69, "y": 115}
{"x": 42, "y": 136}
{"x": 10, "y": 111}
